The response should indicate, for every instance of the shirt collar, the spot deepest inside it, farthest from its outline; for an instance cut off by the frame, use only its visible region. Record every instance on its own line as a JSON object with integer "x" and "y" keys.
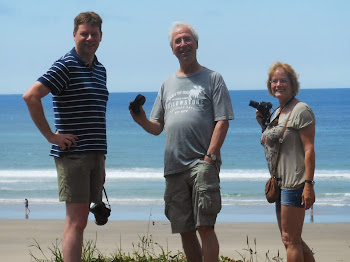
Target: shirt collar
{"x": 80, "y": 60}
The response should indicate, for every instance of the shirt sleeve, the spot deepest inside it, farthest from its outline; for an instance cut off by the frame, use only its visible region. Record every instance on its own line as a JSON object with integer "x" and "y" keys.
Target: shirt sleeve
{"x": 303, "y": 117}
{"x": 157, "y": 113}
{"x": 56, "y": 78}
{"x": 221, "y": 99}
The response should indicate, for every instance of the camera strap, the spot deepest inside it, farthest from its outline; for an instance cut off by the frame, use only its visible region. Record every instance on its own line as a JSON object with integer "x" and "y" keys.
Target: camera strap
{"x": 104, "y": 190}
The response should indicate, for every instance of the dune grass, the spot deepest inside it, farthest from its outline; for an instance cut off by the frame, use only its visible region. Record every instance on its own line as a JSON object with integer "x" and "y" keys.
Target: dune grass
{"x": 144, "y": 251}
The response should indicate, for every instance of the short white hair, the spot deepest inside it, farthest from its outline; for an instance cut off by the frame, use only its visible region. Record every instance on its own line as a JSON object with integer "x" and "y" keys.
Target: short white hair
{"x": 177, "y": 24}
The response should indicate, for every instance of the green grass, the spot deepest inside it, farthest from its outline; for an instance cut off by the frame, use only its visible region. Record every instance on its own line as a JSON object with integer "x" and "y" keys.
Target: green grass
{"x": 144, "y": 251}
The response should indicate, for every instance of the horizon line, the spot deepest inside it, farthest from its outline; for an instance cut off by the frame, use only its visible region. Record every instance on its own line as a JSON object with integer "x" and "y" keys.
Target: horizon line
{"x": 228, "y": 90}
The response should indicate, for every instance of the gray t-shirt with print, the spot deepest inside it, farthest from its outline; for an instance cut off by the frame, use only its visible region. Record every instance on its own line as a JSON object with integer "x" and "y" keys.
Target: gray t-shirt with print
{"x": 291, "y": 164}
{"x": 189, "y": 108}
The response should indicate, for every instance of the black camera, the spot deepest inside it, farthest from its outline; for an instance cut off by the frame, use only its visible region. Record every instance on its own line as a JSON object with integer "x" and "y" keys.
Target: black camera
{"x": 101, "y": 211}
{"x": 263, "y": 108}
{"x": 137, "y": 103}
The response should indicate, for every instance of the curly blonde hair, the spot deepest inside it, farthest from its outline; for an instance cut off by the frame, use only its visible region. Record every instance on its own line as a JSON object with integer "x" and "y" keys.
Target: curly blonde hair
{"x": 292, "y": 76}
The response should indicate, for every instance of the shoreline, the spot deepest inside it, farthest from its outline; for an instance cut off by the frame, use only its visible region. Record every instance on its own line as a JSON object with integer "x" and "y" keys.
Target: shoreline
{"x": 329, "y": 241}
{"x": 229, "y": 213}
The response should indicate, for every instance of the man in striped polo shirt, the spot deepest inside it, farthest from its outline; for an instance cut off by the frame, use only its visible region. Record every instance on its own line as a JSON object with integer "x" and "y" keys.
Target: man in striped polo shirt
{"x": 77, "y": 82}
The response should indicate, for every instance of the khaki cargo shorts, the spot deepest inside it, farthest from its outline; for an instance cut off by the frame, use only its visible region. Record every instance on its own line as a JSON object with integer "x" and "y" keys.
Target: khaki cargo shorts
{"x": 192, "y": 198}
{"x": 81, "y": 176}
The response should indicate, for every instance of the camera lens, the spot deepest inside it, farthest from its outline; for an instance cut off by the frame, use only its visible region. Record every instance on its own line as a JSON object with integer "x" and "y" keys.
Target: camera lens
{"x": 100, "y": 220}
{"x": 254, "y": 104}
{"x": 137, "y": 103}
{"x": 101, "y": 213}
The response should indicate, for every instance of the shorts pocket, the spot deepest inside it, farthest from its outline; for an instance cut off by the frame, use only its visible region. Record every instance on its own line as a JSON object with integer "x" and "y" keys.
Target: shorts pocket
{"x": 209, "y": 201}
{"x": 207, "y": 184}
{"x": 167, "y": 200}
{"x": 72, "y": 156}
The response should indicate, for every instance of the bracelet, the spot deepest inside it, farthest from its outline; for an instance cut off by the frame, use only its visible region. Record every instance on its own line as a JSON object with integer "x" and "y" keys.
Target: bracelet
{"x": 310, "y": 182}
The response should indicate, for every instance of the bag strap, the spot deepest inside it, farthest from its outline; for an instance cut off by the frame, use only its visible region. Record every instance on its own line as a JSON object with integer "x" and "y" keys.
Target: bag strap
{"x": 281, "y": 141}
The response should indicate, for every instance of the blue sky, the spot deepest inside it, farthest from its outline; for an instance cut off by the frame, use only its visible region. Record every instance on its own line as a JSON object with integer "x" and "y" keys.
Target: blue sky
{"x": 239, "y": 39}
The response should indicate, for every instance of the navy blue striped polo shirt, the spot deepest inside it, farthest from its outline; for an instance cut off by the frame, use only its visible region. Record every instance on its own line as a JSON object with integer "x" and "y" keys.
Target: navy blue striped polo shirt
{"x": 79, "y": 96}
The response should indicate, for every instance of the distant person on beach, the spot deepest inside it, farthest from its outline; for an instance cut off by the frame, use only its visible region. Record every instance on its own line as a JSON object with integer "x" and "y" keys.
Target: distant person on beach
{"x": 26, "y": 205}
{"x": 77, "y": 82}
{"x": 194, "y": 107}
{"x": 296, "y": 165}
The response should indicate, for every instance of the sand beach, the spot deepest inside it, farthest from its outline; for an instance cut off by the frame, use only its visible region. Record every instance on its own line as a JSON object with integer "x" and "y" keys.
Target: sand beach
{"x": 135, "y": 183}
{"x": 329, "y": 241}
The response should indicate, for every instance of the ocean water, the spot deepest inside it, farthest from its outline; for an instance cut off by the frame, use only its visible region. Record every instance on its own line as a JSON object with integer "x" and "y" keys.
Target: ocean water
{"x": 134, "y": 165}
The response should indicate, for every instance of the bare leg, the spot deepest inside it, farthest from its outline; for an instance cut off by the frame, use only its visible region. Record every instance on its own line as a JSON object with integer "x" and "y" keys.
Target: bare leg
{"x": 76, "y": 220}
{"x": 191, "y": 246}
{"x": 308, "y": 255}
{"x": 210, "y": 244}
{"x": 290, "y": 222}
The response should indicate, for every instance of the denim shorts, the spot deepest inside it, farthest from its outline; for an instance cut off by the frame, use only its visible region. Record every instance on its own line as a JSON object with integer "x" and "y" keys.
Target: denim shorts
{"x": 290, "y": 198}
{"x": 192, "y": 198}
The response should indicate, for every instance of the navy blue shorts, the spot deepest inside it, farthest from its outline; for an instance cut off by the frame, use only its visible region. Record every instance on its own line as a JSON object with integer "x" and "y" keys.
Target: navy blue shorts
{"x": 290, "y": 198}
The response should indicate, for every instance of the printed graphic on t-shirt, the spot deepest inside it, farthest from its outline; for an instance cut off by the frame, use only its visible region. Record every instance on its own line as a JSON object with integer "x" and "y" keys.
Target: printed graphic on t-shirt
{"x": 182, "y": 101}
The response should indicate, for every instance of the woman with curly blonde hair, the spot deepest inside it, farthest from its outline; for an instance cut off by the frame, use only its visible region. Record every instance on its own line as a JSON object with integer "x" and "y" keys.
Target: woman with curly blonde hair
{"x": 296, "y": 163}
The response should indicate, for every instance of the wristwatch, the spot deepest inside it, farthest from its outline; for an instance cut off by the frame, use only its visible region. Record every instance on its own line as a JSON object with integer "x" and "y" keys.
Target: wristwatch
{"x": 310, "y": 182}
{"x": 211, "y": 156}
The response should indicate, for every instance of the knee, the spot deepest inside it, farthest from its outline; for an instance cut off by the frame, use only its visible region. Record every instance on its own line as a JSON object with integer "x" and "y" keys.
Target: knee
{"x": 290, "y": 241}
{"x": 205, "y": 231}
{"x": 77, "y": 224}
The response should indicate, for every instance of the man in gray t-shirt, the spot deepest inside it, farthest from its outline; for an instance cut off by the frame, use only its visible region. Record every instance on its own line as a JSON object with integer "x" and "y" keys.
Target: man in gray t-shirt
{"x": 194, "y": 107}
